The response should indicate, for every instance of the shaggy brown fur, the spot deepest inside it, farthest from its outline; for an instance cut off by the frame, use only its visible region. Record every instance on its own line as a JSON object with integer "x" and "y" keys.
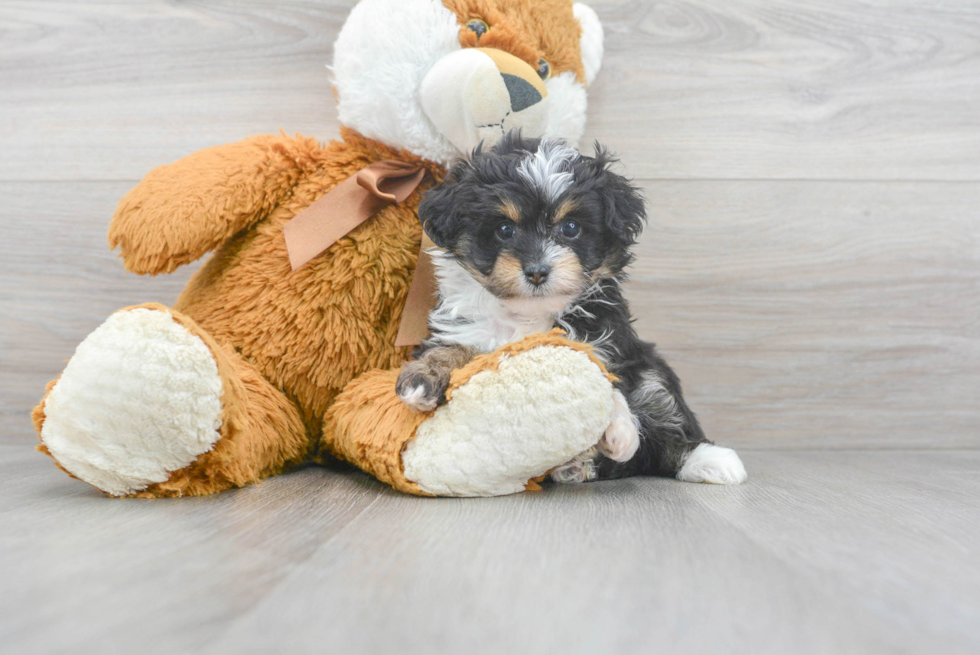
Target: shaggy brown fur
{"x": 286, "y": 342}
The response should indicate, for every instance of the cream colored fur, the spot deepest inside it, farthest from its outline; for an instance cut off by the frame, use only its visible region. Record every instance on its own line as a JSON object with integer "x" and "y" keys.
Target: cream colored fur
{"x": 505, "y": 427}
{"x": 140, "y": 398}
{"x": 381, "y": 56}
{"x": 592, "y": 40}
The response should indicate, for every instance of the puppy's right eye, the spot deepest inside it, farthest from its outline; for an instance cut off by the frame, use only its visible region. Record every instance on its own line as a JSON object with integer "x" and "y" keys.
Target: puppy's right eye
{"x": 570, "y": 229}
{"x": 505, "y": 231}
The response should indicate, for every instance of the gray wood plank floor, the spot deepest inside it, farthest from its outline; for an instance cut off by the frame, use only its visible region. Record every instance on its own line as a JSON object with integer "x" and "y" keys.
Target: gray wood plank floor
{"x": 812, "y": 270}
{"x": 820, "y": 552}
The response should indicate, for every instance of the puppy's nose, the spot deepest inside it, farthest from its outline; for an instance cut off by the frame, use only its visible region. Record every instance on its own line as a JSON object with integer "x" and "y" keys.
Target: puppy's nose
{"x": 537, "y": 274}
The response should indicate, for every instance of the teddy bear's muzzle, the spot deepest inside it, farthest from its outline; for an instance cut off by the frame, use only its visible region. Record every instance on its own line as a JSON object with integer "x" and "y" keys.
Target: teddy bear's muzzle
{"x": 479, "y": 94}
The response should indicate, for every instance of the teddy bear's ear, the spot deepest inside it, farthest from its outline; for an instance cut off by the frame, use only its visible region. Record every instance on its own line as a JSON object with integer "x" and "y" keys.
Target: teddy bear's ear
{"x": 592, "y": 39}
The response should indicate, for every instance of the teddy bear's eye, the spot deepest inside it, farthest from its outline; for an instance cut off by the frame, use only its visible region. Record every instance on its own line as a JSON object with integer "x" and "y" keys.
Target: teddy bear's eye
{"x": 478, "y": 27}
{"x": 544, "y": 69}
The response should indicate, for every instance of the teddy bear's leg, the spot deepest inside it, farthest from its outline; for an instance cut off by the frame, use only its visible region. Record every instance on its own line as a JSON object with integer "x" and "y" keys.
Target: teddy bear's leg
{"x": 151, "y": 405}
{"x": 511, "y": 417}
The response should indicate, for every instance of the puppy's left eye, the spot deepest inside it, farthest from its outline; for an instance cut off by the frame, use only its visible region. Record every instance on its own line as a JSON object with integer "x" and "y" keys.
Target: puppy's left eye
{"x": 570, "y": 229}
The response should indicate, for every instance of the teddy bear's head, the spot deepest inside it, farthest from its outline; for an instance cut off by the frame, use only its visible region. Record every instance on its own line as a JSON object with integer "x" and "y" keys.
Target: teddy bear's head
{"x": 437, "y": 77}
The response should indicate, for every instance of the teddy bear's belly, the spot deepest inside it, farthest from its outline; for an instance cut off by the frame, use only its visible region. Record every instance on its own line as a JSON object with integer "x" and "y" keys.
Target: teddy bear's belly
{"x": 312, "y": 331}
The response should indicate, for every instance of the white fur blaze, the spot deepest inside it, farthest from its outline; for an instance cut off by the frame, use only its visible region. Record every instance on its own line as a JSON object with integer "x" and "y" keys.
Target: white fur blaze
{"x": 140, "y": 398}
{"x": 714, "y": 465}
{"x": 538, "y": 410}
{"x": 622, "y": 437}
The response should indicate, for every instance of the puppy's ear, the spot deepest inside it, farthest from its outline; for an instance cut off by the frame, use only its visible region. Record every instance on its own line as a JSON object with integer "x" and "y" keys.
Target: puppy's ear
{"x": 437, "y": 216}
{"x": 439, "y": 211}
{"x": 623, "y": 209}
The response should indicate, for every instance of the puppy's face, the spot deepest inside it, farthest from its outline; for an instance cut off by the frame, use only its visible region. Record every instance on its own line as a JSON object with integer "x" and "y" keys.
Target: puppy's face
{"x": 535, "y": 221}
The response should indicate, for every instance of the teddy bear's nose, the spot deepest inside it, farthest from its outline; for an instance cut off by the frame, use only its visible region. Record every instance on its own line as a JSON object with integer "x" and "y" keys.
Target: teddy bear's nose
{"x": 477, "y": 95}
{"x": 524, "y": 86}
{"x": 522, "y": 93}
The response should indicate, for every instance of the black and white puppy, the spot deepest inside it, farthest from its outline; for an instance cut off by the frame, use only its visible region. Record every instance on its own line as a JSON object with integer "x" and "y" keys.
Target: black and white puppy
{"x": 533, "y": 236}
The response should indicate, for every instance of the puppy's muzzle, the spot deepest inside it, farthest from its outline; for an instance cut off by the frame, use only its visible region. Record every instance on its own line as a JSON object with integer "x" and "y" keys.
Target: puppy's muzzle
{"x": 479, "y": 94}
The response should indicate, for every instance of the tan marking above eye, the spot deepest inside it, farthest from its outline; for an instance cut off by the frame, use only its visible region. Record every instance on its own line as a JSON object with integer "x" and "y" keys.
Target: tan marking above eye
{"x": 511, "y": 211}
{"x": 563, "y": 210}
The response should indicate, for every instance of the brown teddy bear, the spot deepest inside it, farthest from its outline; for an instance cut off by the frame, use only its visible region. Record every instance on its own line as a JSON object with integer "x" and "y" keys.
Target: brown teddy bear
{"x": 270, "y": 358}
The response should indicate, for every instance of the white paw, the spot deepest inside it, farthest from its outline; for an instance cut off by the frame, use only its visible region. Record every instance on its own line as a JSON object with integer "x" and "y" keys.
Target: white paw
{"x": 581, "y": 469}
{"x": 140, "y": 398}
{"x": 622, "y": 437}
{"x": 714, "y": 465}
{"x": 416, "y": 399}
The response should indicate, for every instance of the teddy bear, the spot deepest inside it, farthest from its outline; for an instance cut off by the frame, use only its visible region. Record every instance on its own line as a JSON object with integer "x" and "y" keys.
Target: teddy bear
{"x": 264, "y": 362}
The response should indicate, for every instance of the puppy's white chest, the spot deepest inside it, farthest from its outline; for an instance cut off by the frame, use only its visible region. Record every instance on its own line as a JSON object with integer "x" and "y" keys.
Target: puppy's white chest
{"x": 486, "y": 331}
{"x": 471, "y": 316}
{"x": 507, "y": 328}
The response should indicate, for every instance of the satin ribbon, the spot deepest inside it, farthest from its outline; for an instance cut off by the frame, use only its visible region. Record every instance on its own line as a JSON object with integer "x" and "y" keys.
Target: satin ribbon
{"x": 346, "y": 206}
{"x": 349, "y": 204}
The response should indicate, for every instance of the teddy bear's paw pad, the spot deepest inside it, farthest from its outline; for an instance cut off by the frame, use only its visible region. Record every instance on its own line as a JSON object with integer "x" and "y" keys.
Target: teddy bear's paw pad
{"x": 537, "y": 410}
{"x": 713, "y": 465}
{"x": 140, "y": 398}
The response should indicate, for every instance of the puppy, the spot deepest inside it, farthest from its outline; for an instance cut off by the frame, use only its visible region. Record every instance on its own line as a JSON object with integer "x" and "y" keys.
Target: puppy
{"x": 533, "y": 236}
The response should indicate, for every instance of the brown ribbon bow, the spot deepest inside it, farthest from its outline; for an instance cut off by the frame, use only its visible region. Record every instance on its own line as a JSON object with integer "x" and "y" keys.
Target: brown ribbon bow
{"x": 349, "y": 204}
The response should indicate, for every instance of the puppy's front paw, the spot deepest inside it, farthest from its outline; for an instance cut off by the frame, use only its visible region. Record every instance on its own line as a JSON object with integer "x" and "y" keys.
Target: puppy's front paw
{"x": 421, "y": 387}
{"x": 622, "y": 437}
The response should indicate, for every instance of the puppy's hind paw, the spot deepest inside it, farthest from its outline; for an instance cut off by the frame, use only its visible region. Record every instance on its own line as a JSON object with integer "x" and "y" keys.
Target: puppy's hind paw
{"x": 713, "y": 465}
{"x": 581, "y": 469}
{"x": 622, "y": 437}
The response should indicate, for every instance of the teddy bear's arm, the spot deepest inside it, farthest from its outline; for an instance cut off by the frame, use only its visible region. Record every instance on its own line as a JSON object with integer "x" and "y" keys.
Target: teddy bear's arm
{"x": 181, "y": 211}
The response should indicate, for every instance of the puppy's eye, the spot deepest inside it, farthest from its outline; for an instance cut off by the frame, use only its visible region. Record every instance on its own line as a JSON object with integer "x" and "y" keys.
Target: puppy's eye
{"x": 478, "y": 27}
{"x": 570, "y": 229}
{"x": 505, "y": 231}
{"x": 544, "y": 69}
